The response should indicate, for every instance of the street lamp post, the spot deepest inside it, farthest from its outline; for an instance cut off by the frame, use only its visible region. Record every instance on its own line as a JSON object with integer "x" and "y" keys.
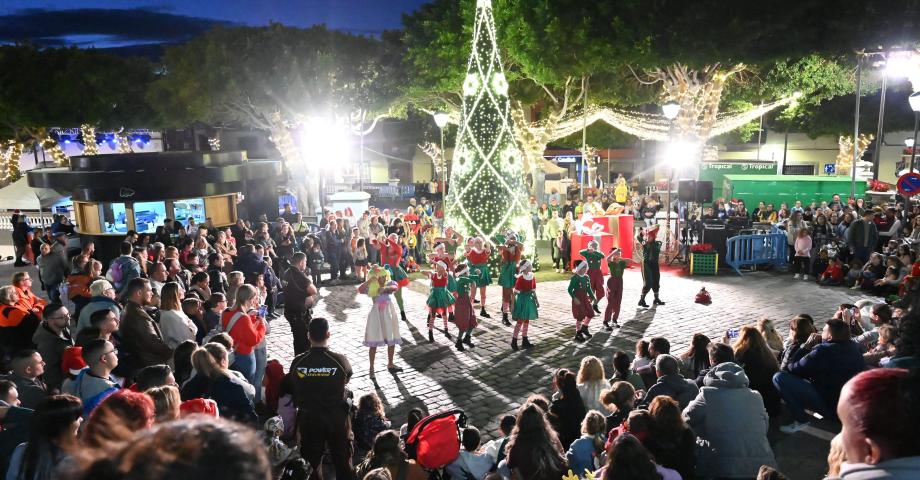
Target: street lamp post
{"x": 670, "y": 110}
{"x": 914, "y": 100}
{"x": 440, "y": 119}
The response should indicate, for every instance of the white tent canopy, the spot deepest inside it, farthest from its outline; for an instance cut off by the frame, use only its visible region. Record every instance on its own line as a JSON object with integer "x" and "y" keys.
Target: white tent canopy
{"x": 20, "y": 196}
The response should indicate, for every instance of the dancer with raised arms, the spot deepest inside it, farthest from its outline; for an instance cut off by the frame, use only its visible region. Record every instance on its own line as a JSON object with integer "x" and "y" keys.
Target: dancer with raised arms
{"x": 511, "y": 252}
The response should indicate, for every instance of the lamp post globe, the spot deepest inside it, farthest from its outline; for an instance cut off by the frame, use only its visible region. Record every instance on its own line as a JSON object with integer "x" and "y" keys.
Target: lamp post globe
{"x": 670, "y": 109}
{"x": 914, "y": 100}
{"x": 440, "y": 119}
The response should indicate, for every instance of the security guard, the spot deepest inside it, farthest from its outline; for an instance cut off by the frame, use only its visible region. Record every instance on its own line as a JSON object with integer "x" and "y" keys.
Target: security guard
{"x": 318, "y": 378}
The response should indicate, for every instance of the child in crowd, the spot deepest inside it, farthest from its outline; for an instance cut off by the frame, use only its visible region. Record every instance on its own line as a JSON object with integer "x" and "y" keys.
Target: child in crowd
{"x": 359, "y": 253}
{"x": 884, "y": 349}
{"x": 820, "y": 264}
{"x": 802, "y": 246}
{"x": 833, "y": 274}
{"x": 369, "y": 421}
{"x": 496, "y": 448}
{"x": 585, "y": 454}
{"x": 315, "y": 259}
{"x": 854, "y": 273}
{"x": 470, "y": 464}
{"x": 643, "y": 357}
{"x": 619, "y": 399}
{"x": 872, "y": 271}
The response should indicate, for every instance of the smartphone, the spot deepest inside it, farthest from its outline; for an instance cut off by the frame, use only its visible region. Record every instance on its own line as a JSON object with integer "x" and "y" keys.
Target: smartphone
{"x": 263, "y": 311}
{"x": 732, "y": 333}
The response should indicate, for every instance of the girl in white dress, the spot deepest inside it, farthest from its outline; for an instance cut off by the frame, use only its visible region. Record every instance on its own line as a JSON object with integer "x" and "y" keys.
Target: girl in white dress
{"x": 383, "y": 319}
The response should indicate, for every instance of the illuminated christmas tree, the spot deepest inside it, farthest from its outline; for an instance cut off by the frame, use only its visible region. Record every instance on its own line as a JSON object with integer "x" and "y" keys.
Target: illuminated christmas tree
{"x": 487, "y": 195}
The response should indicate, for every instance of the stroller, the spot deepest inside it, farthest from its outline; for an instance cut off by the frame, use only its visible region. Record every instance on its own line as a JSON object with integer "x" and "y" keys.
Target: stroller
{"x": 434, "y": 442}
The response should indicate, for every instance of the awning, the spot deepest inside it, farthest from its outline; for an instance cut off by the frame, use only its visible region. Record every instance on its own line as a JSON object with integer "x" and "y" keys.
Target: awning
{"x": 20, "y": 196}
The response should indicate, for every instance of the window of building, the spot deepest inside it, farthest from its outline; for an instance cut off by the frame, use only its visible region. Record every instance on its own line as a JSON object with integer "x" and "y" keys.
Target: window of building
{"x": 189, "y": 208}
{"x": 147, "y": 215}
{"x": 114, "y": 218}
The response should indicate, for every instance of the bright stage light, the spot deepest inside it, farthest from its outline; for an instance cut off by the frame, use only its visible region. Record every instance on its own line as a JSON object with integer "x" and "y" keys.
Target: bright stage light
{"x": 324, "y": 135}
{"x": 901, "y": 64}
{"x": 909, "y": 142}
{"x": 681, "y": 152}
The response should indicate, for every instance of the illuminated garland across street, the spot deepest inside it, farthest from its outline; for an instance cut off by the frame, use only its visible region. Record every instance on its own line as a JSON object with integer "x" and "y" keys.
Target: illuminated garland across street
{"x": 487, "y": 194}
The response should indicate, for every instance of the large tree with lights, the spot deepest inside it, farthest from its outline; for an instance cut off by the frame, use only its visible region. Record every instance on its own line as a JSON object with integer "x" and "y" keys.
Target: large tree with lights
{"x": 487, "y": 193}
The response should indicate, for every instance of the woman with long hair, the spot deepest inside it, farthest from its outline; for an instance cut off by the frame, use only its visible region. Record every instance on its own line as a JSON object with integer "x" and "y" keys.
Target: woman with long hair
{"x": 759, "y": 363}
{"x": 567, "y": 409}
{"x": 800, "y": 328}
{"x": 768, "y": 330}
{"x": 166, "y": 402}
{"x": 672, "y": 442}
{"x": 174, "y": 323}
{"x": 54, "y": 431}
{"x": 247, "y": 330}
{"x": 628, "y": 459}
{"x": 213, "y": 380}
{"x": 591, "y": 380}
{"x": 696, "y": 358}
{"x": 619, "y": 399}
{"x": 370, "y": 420}
{"x": 534, "y": 451}
{"x": 387, "y": 454}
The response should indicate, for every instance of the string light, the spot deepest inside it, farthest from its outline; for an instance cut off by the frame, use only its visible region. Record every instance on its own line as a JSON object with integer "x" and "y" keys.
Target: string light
{"x": 10, "y": 151}
{"x": 487, "y": 194}
{"x": 124, "y": 144}
{"x": 214, "y": 143}
{"x": 88, "y": 132}
{"x": 51, "y": 146}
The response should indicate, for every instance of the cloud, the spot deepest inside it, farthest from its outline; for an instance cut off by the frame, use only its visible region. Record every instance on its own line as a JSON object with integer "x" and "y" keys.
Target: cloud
{"x": 101, "y": 27}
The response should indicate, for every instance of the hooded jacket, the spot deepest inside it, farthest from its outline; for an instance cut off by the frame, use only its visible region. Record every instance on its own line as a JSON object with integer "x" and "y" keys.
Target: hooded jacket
{"x": 674, "y": 386}
{"x": 731, "y": 424}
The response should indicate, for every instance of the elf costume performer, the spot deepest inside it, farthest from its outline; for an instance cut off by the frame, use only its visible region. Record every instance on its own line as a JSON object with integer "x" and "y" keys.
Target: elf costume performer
{"x": 594, "y": 258}
{"x": 382, "y": 324}
{"x": 525, "y": 304}
{"x": 511, "y": 253}
{"x": 440, "y": 255}
{"x": 616, "y": 265}
{"x": 390, "y": 254}
{"x": 464, "y": 314}
{"x": 478, "y": 253}
{"x": 439, "y": 299}
{"x": 582, "y": 299}
{"x": 651, "y": 275}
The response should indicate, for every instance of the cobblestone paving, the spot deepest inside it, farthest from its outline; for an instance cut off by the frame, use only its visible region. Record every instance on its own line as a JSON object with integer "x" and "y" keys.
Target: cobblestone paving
{"x": 490, "y": 380}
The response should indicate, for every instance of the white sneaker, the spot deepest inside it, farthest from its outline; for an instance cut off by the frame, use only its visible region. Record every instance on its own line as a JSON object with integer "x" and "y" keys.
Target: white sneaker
{"x": 557, "y": 270}
{"x": 796, "y": 276}
{"x": 794, "y": 427}
{"x": 855, "y": 287}
{"x": 805, "y": 277}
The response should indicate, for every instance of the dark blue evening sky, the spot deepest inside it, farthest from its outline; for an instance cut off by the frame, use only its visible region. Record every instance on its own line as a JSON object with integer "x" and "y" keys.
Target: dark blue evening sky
{"x": 107, "y": 23}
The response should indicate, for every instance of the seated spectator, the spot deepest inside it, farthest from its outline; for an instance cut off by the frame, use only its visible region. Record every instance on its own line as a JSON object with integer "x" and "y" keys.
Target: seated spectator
{"x": 94, "y": 383}
{"x": 193, "y": 308}
{"x": 16, "y": 325}
{"x": 880, "y": 314}
{"x": 568, "y": 410}
{"x": 8, "y": 394}
{"x": 213, "y": 380}
{"x": 387, "y": 454}
{"x": 28, "y": 368}
{"x": 82, "y": 273}
{"x": 370, "y": 420}
{"x": 182, "y": 361}
{"x": 124, "y": 268}
{"x": 879, "y": 412}
{"x": 105, "y": 325}
{"x": 766, "y": 328}
{"x": 102, "y": 298}
{"x": 584, "y": 453}
{"x": 27, "y": 300}
{"x": 801, "y": 327}
{"x": 833, "y": 275}
{"x": 815, "y": 380}
{"x": 759, "y": 363}
{"x": 670, "y": 382}
{"x": 117, "y": 419}
{"x": 187, "y": 448}
{"x": 471, "y": 465}
{"x": 51, "y": 338}
{"x": 496, "y": 448}
{"x": 620, "y": 399}
{"x": 671, "y": 442}
{"x": 175, "y": 325}
{"x": 696, "y": 358}
{"x": 656, "y": 346}
{"x": 213, "y": 310}
{"x": 591, "y": 380}
{"x": 623, "y": 372}
{"x": 166, "y": 402}
{"x": 643, "y": 356}
{"x": 628, "y": 459}
{"x": 200, "y": 286}
{"x": 881, "y": 354}
{"x": 907, "y": 347}
{"x": 142, "y": 339}
{"x": 731, "y": 423}
{"x": 534, "y": 451}
{"x": 153, "y": 376}
{"x": 718, "y": 353}
{"x": 54, "y": 433}
{"x": 217, "y": 279}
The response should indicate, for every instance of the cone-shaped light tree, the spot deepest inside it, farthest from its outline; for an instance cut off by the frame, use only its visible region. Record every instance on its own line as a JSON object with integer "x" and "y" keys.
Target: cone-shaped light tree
{"x": 487, "y": 194}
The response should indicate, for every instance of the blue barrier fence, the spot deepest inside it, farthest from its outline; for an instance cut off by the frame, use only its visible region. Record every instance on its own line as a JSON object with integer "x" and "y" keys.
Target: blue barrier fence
{"x": 761, "y": 249}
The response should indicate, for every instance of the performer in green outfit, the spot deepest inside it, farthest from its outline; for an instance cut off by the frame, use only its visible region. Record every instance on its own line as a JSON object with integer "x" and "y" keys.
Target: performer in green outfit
{"x": 651, "y": 274}
{"x": 477, "y": 254}
{"x": 616, "y": 265}
{"x": 594, "y": 259}
{"x": 511, "y": 251}
{"x": 464, "y": 315}
{"x": 439, "y": 299}
{"x": 525, "y": 304}
{"x": 582, "y": 299}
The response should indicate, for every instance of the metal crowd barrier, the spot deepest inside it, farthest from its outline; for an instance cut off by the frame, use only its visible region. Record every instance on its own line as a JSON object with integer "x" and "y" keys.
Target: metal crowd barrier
{"x": 759, "y": 249}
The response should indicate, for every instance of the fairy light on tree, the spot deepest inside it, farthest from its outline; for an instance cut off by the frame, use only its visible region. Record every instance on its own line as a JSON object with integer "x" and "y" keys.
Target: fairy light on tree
{"x": 487, "y": 193}
{"x": 88, "y": 132}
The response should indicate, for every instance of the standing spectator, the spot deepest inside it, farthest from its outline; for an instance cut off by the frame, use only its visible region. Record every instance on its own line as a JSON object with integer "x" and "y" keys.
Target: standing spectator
{"x": 53, "y": 268}
{"x": 51, "y": 338}
{"x": 124, "y": 268}
{"x": 28, "y": 367}
{"x": 591, "y": 380}
{"x": 323, "y": 413}
{"x": 759, "y": 363}
{"x": 247, "y": 330}
{"x": 801, "y": 261}
{"x": 21, "y": 230}
{"x": 671, "y": 442}
{"x": 299, "y": 298}
{"x": 217, "y": 279}
{"x": 54, "y": 433}
{"x": 142, "y": 339}
{"x": 93, "y": 384}
{"x": 551, "y": 232}
{"x": 671, "y": 382}
{"x": 534, "y": 450}
{"x": 730, "y": 420}
{"x": 331, "y": 246}
{"x": 568, "y": 410}
{"x": 793, "y": 224}
{"x": 815, "y": 380}
{"x": 285, "y": 241}
{"x": 862, "y": 236}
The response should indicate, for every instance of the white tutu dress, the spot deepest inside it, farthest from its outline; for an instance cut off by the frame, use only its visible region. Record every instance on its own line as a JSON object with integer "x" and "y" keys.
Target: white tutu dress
{"x": 382, "y": 323}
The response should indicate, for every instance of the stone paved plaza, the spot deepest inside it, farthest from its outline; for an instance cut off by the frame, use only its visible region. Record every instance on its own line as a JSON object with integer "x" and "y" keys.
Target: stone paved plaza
{"x": 490, "y": 379}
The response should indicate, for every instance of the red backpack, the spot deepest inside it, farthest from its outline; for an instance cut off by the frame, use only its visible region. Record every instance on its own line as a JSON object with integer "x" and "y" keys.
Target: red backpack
{"x": 434, "y": 442}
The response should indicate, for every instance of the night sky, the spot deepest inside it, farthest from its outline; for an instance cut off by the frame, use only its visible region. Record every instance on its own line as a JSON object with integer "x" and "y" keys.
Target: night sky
{"x": 112, "y": 23}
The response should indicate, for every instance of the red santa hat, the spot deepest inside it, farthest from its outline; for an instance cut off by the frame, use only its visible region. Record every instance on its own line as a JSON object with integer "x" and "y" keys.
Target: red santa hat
{"x": 72, "y": 361}
{"x": 204, "y": 406}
